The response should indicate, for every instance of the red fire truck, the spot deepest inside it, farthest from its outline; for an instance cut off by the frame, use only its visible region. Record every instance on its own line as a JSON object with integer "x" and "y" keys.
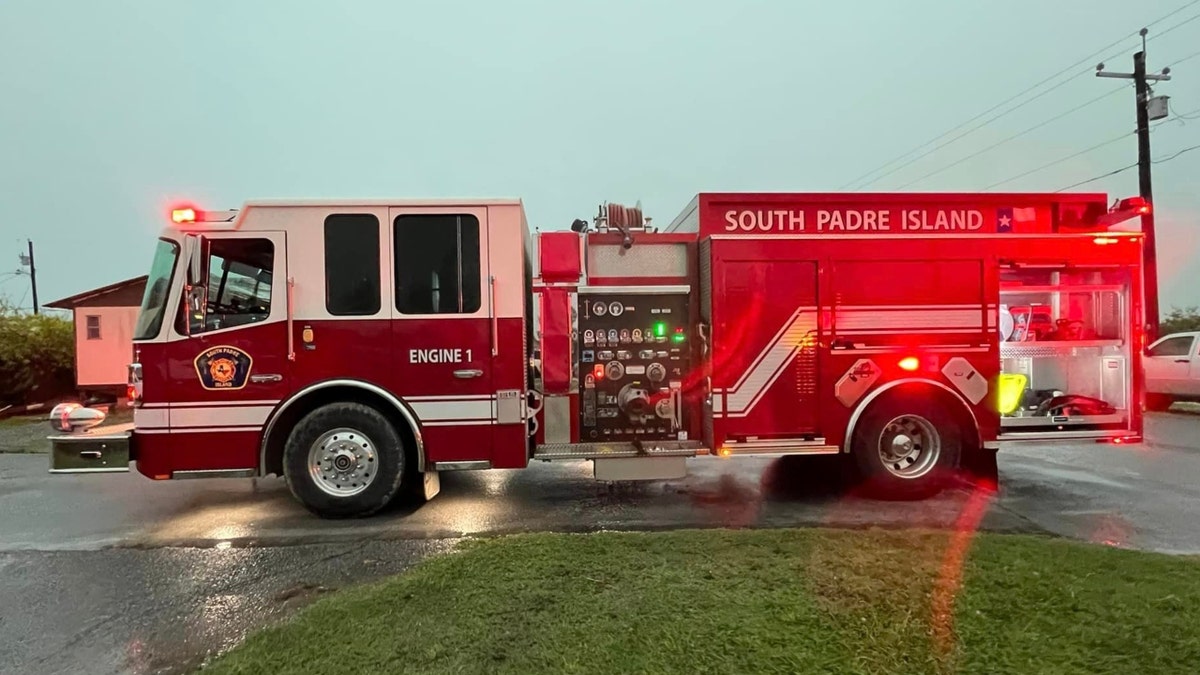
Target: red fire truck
{"x": 359, "y": 348}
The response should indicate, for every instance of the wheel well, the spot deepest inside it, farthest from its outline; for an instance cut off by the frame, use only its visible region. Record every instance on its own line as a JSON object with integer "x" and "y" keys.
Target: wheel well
{"x": 271, "y": 461}
{"x": 950, "y": 400}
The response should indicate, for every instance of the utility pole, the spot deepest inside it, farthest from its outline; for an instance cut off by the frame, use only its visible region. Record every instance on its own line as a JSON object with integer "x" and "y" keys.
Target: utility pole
{"x": 27, "y": 261}
{"x": 33, "y": 277}
{"x": 1145, "y": 101}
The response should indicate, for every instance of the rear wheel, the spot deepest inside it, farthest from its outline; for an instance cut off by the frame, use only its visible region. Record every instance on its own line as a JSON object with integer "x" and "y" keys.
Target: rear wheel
{"x": 344, "y": 460}
{"x": 1158, "y": 402}
{"x": 907, "y": 447}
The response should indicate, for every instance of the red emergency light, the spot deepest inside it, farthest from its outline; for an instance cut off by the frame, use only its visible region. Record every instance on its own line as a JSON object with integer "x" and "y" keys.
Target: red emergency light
{"x": 190, "y": 215}
{"x": 1125, "y": 209}
{"x": 1137, "y": 205}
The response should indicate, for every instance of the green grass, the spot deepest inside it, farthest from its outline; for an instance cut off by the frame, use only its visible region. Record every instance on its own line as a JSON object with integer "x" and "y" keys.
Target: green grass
{"x": 20, "y": 420}
{"x": 773, "y": 601}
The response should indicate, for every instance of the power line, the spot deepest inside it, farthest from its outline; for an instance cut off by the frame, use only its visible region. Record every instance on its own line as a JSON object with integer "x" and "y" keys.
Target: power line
{"x": 1059, "y": 161}
{"x": 1085, "y": 151}
{"x": 1103, "y": 175}
{"x": 1015, "y": 136}
{"x": 1167, "y": 159}
{"x": 1085, "y": 59}
{"x": 985, "y": 122}
{"x": 1126, "y": 168}
{"x": 977, "y": 117}
{"x": 1189, "y": 57}
{"x": 1190, "y": 115}
{"x": 975, "y": 128}
{"x": 1178, "y": 25}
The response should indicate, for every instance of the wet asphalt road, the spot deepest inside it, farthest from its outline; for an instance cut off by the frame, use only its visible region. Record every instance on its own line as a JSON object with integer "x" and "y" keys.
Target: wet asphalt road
{"x": 116, "y": 573}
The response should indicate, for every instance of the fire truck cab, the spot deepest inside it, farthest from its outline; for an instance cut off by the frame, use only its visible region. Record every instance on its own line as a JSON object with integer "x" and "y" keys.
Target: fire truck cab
{"x": 360, "y": 348}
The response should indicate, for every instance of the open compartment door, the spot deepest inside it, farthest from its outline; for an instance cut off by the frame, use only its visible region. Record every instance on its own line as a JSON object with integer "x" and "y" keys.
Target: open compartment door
{"x": 1067, "y": 353}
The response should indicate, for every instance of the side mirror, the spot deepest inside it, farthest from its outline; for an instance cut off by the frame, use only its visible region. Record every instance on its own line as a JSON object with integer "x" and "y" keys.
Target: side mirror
{"x": 197, "y": 299}
{"x": 195, "y": 291}
{"x": 195, "y": 253}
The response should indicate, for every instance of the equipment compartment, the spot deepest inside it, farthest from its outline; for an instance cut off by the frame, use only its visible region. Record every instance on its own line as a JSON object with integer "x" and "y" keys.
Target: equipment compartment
{"x": 1064, "y": 348}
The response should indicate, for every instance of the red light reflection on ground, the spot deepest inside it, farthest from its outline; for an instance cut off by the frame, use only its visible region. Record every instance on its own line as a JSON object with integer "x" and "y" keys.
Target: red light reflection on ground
{"x": 950, "y": 576}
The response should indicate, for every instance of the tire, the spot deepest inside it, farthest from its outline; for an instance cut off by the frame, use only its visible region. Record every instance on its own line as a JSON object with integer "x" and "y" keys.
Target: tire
{"x": 1158, "y": 402}
{"x": 905, "y": 423}
{"x": 361, "y": 458}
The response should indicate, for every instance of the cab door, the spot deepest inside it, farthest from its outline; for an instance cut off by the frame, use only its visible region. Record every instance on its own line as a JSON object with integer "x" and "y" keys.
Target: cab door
{"x": 443, "y": 332}
{"x": 228, "y": 364}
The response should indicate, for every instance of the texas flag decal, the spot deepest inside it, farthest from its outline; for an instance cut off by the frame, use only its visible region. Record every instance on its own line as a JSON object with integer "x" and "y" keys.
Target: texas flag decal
{"x": 1008, "y": 219}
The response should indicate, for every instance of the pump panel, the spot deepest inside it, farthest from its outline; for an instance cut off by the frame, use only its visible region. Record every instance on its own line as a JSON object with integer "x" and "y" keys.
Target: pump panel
{"x": 634, "y": 352}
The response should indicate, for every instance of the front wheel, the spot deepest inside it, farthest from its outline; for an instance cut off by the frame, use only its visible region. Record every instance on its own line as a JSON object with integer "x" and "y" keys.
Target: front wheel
{"x": 344, "y": 460}
{"x": 907, "y": 447}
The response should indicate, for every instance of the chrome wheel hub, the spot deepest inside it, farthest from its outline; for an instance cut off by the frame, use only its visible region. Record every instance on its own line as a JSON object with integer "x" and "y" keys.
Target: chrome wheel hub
{"x": 343, "y": 462}
{"x": 909, "y": 446}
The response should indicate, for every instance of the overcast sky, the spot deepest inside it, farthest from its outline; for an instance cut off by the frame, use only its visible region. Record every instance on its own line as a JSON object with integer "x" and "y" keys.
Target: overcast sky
{"x": 110, "y": 110}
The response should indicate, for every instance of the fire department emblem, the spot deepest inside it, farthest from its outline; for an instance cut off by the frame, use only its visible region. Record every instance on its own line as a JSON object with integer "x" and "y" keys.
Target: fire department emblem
{"x": 223, "y": 368}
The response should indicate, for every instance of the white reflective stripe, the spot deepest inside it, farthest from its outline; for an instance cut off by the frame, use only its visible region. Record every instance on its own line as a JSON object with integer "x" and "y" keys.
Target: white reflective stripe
{"x": 434, "y": 411}
{"x": 743, "y": 397}
{"x": 774, "y": 340}
{"x": 467, "y": 397}
{"x": 922, "y": 306}
{"x": 718, "y": 402}
{"x": 156, "y": 417}
{"x": 221, "y": 404}
{"x": 860, "y": 319}
{"x": 219, "y": 416}
{"x": 459, "y": 423}
{"x": 199, "y": 430}
{"x": 974, "y": 330}
{"x": 209, "y": 404}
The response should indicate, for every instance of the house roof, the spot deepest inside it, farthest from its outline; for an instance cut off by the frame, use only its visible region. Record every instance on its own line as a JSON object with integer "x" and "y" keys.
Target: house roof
{"x": 120, "y": 294}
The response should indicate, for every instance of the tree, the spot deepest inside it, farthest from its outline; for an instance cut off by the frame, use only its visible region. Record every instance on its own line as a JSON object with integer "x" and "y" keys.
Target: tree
{"x": 37, "y": 356}
{"x": 1180, "y": 320}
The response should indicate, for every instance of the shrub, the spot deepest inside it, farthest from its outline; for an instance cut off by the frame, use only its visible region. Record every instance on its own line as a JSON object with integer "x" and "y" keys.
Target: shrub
{"x": 37, "y": 356}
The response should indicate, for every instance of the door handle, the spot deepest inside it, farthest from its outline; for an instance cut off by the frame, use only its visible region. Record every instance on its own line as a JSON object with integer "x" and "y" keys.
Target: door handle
{"x": 259, "y": 379}
{"x": 1183, "y": 360}
{"x": 468, "y": 373}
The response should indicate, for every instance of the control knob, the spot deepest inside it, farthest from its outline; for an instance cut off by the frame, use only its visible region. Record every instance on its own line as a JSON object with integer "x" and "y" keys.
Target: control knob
{"x": 634, "y": 402}
{"x": 656, "y": 372}
{"x": 614, "y": 370}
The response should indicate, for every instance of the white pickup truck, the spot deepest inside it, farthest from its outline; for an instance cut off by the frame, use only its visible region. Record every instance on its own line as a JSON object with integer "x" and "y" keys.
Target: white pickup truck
{"x": 1173, "y": 370}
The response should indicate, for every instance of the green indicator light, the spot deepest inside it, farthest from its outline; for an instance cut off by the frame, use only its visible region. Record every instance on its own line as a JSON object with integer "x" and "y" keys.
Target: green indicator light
{"x": 660, "y": 329}
{"x": 679, "y": 337}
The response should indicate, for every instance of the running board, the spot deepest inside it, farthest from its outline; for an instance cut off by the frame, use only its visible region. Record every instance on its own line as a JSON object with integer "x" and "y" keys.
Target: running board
{"x": 778, "y": 446}
{"x": 612, "y": 450}
{"x": 1031, "y": 437}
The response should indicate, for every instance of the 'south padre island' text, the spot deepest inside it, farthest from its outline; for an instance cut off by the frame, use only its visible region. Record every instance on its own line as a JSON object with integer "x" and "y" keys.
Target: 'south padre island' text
{"x": 854, "y": 220}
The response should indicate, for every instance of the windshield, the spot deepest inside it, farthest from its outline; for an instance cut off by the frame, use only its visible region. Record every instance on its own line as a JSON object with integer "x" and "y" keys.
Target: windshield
{"x": 154, "y": 301}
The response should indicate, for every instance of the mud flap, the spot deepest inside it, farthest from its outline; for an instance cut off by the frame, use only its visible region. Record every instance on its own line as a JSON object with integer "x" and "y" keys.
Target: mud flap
{"x": 978, "y": 468}
{"x": 432, "y": 484}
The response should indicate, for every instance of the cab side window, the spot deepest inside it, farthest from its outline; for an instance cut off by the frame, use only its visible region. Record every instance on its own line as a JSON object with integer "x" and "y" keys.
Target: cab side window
{"x": 239, "y": 284}
{"x": 1176, "y": 346}
{"x": 437, "y": 264}
{"x": 352, "y": 264}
